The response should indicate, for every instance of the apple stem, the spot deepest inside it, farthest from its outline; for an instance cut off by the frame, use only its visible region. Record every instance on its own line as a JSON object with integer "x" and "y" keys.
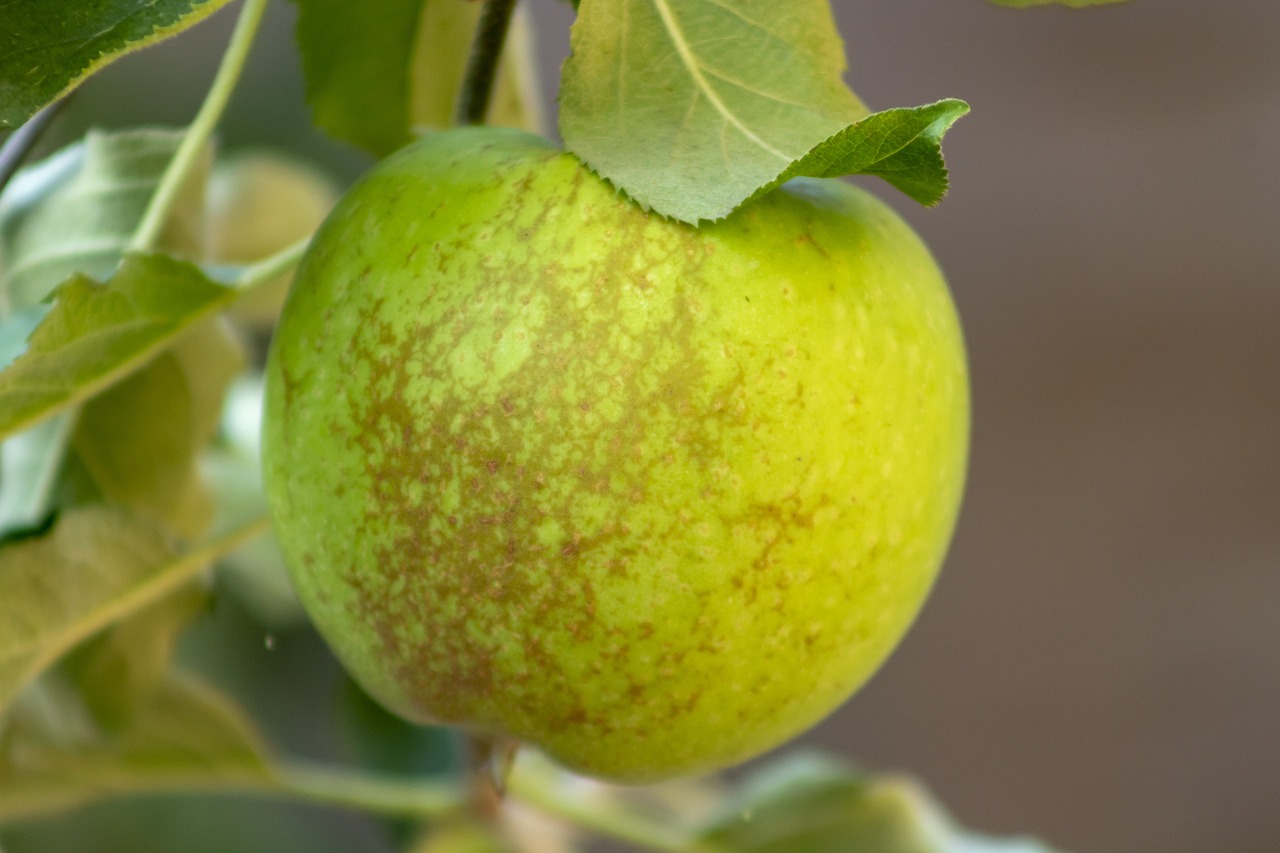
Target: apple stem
{"x": 482, "y": 65}
{"x": 491, "y": 760}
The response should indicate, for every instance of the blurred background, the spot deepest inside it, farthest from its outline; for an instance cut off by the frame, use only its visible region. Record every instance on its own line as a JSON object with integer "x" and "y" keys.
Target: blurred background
{"x": 1100, "y": 663}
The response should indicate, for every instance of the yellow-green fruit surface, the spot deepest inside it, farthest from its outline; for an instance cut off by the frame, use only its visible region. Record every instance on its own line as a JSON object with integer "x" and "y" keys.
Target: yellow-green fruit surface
{"x": 652, "y": 498}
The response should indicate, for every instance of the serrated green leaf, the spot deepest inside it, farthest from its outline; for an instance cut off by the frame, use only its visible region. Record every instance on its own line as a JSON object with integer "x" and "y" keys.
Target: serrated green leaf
{"x": 141, "y": 439}
{"x": 96, "y": 334}
{"x": 903, "y": 146}
{"x": 691, "y": 106}
{"x": 48, "y": 47}
{"x": 1075, "y": 4}
{"x": 76, "y": 211}
{"x": 377, "y": 71}
{"x": 96, "y": 566}
{"x": 186, "y": 735}
{"x": 694, "y": 106}
{"x": 815, "y": 804}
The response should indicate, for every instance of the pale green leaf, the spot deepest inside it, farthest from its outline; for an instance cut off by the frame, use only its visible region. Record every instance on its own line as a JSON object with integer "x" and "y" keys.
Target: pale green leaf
{"x": 47, "y": 47}
{"x": 96, "y": 334}
{"x": 817, "y": 805}
{"x": 141, "y": 438}
{"x": 96, "y": 566}
{"x": 186, "y": 736}
{"x": 260, "y": 203}
{"x": 76, "y": 211}
{"x": 691, "y": 106}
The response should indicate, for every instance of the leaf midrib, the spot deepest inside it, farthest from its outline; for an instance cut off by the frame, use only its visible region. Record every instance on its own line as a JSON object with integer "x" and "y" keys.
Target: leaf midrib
{"x": 695, "y": 71}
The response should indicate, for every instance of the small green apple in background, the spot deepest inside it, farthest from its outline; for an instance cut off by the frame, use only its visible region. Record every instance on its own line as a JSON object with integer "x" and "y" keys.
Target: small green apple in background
{"x": 652, "y": 498}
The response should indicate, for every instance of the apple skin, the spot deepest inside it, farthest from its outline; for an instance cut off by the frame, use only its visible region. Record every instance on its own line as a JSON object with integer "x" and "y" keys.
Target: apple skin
{"x": 652, "y": 498}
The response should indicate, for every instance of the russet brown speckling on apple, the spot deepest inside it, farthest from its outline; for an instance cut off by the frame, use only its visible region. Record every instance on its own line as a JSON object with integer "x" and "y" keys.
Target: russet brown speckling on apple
{"x": 652, "y": 498}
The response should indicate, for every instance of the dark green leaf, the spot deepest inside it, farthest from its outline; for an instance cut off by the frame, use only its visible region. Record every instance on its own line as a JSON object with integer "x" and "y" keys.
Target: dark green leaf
{"x": 691, "y": 106}
{"x": 694, "y": 106}
{"x": 47, "y": 47}
{"x": 814, "y": 804}
{"x": 903, "y": 146}
{"x": 96, "y": 334}
{"x": 185, "y": 736}
{"x": 356, "y": 58}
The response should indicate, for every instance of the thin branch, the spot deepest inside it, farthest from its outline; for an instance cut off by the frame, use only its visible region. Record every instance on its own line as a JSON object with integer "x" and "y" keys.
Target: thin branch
{"x": 201, "y": 128}
{"x": 482, "y": 65}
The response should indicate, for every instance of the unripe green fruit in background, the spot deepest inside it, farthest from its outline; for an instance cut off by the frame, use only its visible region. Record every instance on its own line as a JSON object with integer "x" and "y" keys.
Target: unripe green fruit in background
{"x": 652, "y": 498}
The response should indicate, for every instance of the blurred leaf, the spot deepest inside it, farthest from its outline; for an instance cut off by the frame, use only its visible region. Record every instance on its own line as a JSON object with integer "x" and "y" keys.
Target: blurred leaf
{"x": 693, "y": 106}
{"x": 377, "y": 70}
{"x": 140, "y": 439}
{"x": 96, "y": 566}
{"x": 96, "y": 334}
{"x": 814, "y": 804}
{"x": 76, "y": 211}
{"x": 29, "y": 461}
{"x": 185, "y": 736}
{"x": 47, "y": 47}
{"x": 260, "y": 203}
{"x": 119, "y": 670}
{"x": 356, "y": 59}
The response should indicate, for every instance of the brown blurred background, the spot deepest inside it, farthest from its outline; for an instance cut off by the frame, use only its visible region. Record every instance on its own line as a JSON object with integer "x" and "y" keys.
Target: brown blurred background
{"x": 1100, "y": 664}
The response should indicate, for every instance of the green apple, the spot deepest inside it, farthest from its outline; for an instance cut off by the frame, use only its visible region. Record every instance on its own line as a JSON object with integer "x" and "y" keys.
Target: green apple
{"x": 651, "y": 497}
